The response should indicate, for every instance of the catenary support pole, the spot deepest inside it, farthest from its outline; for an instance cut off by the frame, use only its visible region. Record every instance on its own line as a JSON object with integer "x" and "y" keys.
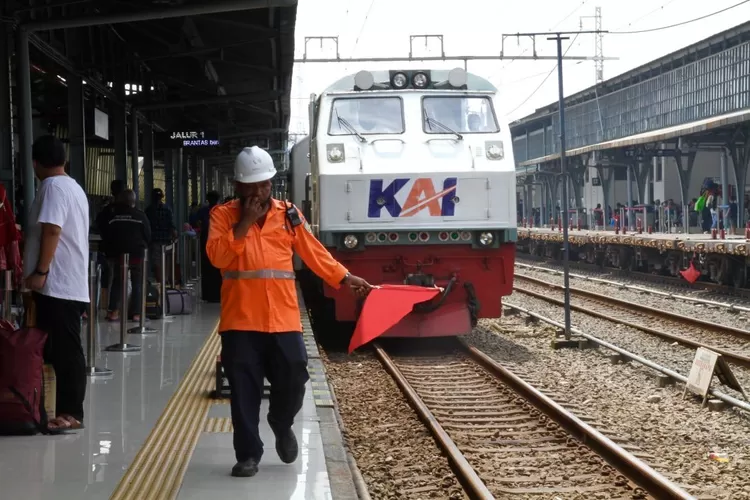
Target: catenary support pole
{"x": 564, "y": 176}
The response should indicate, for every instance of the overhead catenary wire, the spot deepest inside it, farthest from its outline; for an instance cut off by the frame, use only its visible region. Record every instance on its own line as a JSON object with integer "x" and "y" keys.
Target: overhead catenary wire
{"x": 682, "y": 23}
{"x": 545, "y": 78}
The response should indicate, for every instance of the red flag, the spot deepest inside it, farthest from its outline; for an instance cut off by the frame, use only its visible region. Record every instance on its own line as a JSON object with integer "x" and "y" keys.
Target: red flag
{"x": 691, "y": 274}
{"x": 384, "y": 307}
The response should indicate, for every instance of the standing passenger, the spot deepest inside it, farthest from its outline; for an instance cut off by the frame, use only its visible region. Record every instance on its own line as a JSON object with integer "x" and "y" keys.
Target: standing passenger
{"x": 163, "y": 231}
{"x": 251, "y": 240}
{"x": 56, "y": 270}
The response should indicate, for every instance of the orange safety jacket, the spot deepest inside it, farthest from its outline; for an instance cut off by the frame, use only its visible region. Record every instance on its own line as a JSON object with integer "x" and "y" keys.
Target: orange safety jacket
{"x": 259, "y": 292}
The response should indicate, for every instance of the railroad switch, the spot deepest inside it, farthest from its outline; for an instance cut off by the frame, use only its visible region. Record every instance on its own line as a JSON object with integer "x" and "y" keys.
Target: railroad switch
{"x": 573, "y": 343}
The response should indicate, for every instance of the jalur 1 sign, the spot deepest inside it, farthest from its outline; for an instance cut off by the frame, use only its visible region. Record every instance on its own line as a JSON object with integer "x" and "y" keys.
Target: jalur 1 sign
{"x": 175, "y": 139}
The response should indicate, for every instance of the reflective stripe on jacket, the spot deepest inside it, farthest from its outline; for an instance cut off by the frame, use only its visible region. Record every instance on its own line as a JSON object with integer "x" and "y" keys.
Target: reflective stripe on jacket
{"x": 259, "y": 291}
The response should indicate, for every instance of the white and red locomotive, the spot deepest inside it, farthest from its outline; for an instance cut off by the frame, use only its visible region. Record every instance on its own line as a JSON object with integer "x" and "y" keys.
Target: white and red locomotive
{"x": 408, "y": 177}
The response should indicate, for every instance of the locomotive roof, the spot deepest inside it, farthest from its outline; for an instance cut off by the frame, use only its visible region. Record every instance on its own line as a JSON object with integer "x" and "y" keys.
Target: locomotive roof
{"x": 473, "y": 82}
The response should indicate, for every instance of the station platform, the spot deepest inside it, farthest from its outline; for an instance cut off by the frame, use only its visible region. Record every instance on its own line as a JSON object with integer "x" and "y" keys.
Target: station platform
{"x": 692, "y": 242}
{"x": 154, "y": 430}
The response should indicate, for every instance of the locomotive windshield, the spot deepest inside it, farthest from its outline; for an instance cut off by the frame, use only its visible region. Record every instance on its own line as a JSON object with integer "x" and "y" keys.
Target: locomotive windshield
{"x": 462, "y": 114}
{"x": 367, "y": 115}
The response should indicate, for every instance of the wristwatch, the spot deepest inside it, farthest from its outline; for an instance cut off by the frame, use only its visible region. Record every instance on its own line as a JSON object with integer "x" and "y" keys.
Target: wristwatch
{"x": 346, "y": 277}
{"x": 40, "y": 273}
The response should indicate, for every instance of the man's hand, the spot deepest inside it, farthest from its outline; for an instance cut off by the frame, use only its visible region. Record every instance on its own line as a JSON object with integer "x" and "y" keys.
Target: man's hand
{"x": 359, "y": 286}
{"x": 36, "y": 282}
{"x": 250, "y": 211}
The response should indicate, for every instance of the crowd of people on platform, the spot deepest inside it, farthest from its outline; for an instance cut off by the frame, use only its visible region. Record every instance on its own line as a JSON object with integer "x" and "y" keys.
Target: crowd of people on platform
{"x": 55, "y": 265}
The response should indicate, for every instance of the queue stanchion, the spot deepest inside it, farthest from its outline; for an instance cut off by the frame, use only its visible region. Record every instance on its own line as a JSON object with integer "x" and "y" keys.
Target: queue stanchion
{"x": 91, "y": 369}
{"x": 198, "y": 269}
{"x": 164, "y": 249}
{"x": 123, "y": 346}
{"x": 172, "y": 281}
{"x": 142, "y": 329}
{"x": 8, "y": 296}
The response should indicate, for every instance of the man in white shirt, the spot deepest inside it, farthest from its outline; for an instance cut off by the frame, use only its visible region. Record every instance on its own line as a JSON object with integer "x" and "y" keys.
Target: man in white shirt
{"x": 55, "y": 262}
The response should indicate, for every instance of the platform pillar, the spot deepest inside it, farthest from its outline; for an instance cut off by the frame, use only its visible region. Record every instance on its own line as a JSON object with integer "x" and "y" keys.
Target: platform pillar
{"x": 134, "y": 153}
{"x": 629, "y": 214}
{"x": 76, "y": 129}
{"x": 148, "y": 162}
{"x": 25, "y": 129}
{"x": 169, "y": 156}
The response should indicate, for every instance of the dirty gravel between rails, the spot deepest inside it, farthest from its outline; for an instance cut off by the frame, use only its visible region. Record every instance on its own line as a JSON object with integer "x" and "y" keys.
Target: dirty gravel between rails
{"x": 625, "y": 400}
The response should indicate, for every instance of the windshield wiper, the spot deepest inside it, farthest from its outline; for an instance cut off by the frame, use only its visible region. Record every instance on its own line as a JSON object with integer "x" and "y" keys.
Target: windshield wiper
{"x": 349, "y": 127}
{"x": 432, "y": 121}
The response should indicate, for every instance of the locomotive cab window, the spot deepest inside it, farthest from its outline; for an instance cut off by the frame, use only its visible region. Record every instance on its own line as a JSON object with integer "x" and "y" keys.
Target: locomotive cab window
{"x": 367, "y": 115}
{"x": 462, "y": 114}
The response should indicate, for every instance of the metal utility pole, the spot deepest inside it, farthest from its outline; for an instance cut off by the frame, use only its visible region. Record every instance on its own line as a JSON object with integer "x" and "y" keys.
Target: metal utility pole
{"x": 598, "y": 43}
{"x": 558, "y": 37}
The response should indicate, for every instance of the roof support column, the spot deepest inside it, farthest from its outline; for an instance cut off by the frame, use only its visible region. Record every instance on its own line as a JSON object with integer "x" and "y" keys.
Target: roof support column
{"x": 77, "y": 129}
{"x": 170, "y": 156}
{"x": 606, "y": 175}
{"x": 134, "y": 153}
{"x": 204, "y": 181}
{"x": 629, "y": 181}
{"x": 117, "y": 111}
{"x": 741, "y": 164}
{"x": 684, "y": 164}
{"x": 7, "y": 155}
{"x": 194, "y": 178}
{"x": 148, "y": 161}
{"x": 25, "y": 131}
{"x": 643, "y": 171}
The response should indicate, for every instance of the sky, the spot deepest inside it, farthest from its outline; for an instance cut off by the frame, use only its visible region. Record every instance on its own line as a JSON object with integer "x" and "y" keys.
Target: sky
{"x": 381, "y": 28}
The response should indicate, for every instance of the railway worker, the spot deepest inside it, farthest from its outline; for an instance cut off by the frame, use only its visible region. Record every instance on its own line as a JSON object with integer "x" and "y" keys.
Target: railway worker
{"x": 251, "y": 240}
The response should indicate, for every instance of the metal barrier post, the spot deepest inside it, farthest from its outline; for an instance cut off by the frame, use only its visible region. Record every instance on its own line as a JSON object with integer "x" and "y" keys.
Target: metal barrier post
{"x": 198, "y": 269}
{"x": 123, "y": 346}
{"x": 174, "y": 257}
{"x": 142, "y": 329}
{"x": 8, "y": 298}
{"x": 91, "y": 369}
{"x": 164, "y": 278}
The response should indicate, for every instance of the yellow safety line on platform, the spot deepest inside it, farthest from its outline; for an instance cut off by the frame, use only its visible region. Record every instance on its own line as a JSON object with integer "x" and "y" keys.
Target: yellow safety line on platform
{"x": 159, "y": 468}
{"x": 218, "y": 425}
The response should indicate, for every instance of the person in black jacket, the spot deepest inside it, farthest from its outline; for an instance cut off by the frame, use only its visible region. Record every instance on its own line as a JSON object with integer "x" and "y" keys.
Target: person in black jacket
{"x": 128, "y": 232}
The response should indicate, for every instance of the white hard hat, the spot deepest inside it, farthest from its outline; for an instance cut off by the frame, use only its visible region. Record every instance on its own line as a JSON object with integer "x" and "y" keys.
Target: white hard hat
{"x": 253, "y": 165}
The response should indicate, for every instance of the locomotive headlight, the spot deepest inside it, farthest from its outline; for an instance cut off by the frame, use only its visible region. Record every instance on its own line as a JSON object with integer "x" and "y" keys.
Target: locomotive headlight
{"x": 350, "y": 241}
{"x": 335, "y": 153}
{"x": 420, "y": 80}
{"x": 399, "y": 80}
{"x": 494, "y": 150}
{"x": 485, "y": 239}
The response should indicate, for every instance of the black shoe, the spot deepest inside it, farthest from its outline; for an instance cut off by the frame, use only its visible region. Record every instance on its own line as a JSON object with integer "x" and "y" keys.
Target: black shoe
{"x": 286, "y": 446}
{"x": 248, "y": 468}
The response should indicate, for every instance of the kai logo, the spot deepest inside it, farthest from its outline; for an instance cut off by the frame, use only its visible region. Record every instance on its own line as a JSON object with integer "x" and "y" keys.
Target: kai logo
{"x": 422, "y": 196}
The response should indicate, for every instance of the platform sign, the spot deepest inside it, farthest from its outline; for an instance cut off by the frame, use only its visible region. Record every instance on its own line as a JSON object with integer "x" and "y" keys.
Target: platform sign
{"x": 596, "y": 181}
{"x": 175, "y": 139}
{"x": 705, "y": 364}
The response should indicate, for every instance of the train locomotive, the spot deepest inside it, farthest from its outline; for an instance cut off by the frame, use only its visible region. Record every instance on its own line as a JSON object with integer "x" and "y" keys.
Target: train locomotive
{"x": 407, "y": 177}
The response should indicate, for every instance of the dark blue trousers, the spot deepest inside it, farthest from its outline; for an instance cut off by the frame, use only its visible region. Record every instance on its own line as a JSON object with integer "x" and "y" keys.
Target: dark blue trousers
{"x": 249, "y": 356}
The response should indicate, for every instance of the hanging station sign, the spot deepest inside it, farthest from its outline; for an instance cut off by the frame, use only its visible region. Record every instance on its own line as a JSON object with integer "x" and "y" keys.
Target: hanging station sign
{"x": 175, "y": 139}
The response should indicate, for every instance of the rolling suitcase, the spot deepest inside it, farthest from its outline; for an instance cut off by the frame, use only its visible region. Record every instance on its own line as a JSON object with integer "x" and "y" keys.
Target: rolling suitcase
{"x": 179, "y": 302}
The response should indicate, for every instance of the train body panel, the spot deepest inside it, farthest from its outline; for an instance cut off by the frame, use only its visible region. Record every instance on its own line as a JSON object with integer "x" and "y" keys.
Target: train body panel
{"x": 413, "y": 185}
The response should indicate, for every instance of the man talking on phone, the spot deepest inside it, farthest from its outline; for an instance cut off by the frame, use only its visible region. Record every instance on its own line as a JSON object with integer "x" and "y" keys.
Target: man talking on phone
{"x": 252, "y": 240}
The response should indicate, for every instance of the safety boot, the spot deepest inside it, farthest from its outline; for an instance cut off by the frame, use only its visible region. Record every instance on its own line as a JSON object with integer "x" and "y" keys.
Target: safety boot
{"x": 246, "y": 468}
{"x": 286, "y": 446}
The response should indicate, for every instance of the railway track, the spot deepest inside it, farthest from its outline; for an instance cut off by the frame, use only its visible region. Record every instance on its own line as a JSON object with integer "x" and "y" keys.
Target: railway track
{"x": 504, "y": 438}
{"x": 732, "y": 343}
{"x": 710, "y": 289}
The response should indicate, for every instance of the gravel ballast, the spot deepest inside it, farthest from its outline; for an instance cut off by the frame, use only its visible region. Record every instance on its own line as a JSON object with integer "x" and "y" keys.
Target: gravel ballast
{"x": 674, "y": 436}
{"x": 394, "y": 451}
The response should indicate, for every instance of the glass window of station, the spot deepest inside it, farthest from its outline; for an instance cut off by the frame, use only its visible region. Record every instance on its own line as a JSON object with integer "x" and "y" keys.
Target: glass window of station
{"x": 462, "y": 114}
{"x": 367, "y": 116}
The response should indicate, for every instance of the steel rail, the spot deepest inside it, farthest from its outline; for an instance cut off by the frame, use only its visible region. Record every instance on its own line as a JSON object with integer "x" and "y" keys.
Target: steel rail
{"x": 634, "y": 469}
{"x": 731, "y": 400}
{"x": 636, "y": 288}
{"x": 470, "y": 481}
{"x": 737, "y": 332}
{"x": 737, "y": 358}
